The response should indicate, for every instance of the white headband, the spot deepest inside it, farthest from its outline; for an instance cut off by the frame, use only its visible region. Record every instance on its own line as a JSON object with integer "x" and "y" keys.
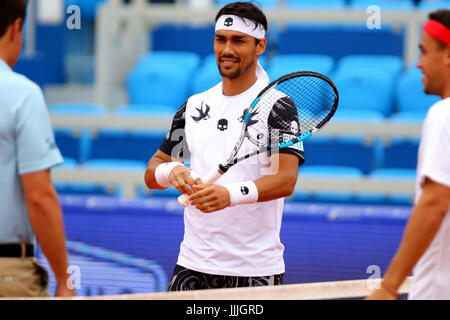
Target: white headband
{"x": 235, "y": 23}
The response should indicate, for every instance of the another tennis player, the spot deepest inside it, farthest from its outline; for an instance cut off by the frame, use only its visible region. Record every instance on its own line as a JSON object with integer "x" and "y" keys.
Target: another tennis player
{"x": 232, "y": 228}
{"x": 426, "y": 241}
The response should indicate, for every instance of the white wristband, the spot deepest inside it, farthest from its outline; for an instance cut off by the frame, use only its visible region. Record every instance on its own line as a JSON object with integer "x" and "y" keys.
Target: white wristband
{"x": 242, "y": 192}
{"x": 162, "y": 172}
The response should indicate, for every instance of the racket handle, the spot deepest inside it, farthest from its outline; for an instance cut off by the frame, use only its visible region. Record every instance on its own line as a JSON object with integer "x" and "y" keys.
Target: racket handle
{"x": 211, "y": 177}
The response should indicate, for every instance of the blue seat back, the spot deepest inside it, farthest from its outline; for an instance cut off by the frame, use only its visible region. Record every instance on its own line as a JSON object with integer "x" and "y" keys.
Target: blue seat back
{"x": 162, "y": 78}
{"x": 347, "y": 152}
{"x": 68, "y": 143}
{"x": 207, "y": 75}
{"x": 360, "y": 90}
{"x": 383, "y": 4}
{"x": 409, "y": 93}
{"x": 389, "y": 63}
{"x": 287, "y": 63}
{"x": 125, "y": 145}
{"x": 401, "y": 153}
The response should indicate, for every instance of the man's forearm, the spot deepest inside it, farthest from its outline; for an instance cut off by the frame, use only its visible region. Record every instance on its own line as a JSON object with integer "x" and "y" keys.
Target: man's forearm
{"x": 274, "y": 187}
{"x": 155, "y": 161}
{"x": 420, "y": 231}
{"x": 282, "y": 182}
{"x": 46, "y": 219}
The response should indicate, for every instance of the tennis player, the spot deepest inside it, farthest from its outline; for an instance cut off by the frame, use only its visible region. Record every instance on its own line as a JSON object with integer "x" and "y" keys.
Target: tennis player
{"x": 426, "y": 241}
{"x": 232, "y": 228}
{"x": 29, "y": 203}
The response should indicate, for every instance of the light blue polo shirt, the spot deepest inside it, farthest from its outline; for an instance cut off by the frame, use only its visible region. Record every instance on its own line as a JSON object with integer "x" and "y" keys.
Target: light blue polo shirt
{"x": 27, "y": 145}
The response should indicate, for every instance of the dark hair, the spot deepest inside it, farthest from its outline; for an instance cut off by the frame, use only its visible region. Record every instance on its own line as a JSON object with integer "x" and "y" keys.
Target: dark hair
{"x": 245, "y": 10}
{"x": 10, "y": 11}
{"x": 442, "y": 16}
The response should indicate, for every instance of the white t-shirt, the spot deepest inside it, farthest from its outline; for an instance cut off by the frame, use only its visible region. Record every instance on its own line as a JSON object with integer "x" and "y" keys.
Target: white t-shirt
{"x": 432, "y": 272}
{"x": 243, "y": 240}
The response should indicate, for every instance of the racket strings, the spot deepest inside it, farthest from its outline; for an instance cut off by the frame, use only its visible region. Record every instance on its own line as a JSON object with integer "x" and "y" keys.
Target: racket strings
{"x": 293, "y": 106}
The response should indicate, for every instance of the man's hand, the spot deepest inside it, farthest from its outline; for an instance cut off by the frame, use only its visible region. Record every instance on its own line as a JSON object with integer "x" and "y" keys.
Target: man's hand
{"x": 180, "y": 178}
{"x": 63, "y": 291}
{"x": 210, "y": 198}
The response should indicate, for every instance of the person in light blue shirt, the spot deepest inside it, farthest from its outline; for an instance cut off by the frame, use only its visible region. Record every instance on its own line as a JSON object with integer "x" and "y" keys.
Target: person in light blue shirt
{"x": 28, "y": 201}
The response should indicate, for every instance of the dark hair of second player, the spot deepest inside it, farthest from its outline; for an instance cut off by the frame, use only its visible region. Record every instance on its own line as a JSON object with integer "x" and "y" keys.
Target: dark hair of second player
{"x": 10, "y": 11}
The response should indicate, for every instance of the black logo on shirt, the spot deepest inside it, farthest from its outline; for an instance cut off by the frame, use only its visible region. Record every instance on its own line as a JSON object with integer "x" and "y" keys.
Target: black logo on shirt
{"x": 222, "y": 125}
{"x": 204, "y": 114}
{"x": 244, "y": 190}
{"x": 251, "y": 121}
{"x": 51, "y": 143}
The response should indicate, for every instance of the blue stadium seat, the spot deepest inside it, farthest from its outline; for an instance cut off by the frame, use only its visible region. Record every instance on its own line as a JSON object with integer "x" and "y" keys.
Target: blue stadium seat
{"x": 77, "y": 109}
{"x": 329, "y": 172}
{"x": 430, "y": 5}
{"x": 146, "y": 110}
{"x": 125, "y": 145}
{"x": 358, "y": 116}
{"x": 80, "y": 188}
{"x": 207, "y": 75}
{"x": 383, "y": 4}
{"x": 401, "y": 153}
{"x": 350, "y": 151}
{"x": 313, "y": 4}
{"x": 389, "y": 63}
{"x": 338, "y": 41}
{"x": 361, "y": 90}
{"x": 287, "y": 63}
{"x": 162, "y": 77}
{"x": 72, "y": 145}
{"x": 409, "y": 93}
{"x": 196, "y": 38}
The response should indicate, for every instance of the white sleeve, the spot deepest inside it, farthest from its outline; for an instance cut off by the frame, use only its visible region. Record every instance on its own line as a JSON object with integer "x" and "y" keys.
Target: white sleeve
{"x": 35, "y": 142}
{"x": 436, "y": 151}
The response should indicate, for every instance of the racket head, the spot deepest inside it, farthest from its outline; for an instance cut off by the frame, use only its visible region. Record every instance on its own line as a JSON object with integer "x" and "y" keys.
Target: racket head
{"x": 291, "y": 108}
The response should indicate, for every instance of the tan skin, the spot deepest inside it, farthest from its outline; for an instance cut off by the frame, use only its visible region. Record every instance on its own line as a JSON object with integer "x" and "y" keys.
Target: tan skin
{"x": 46, "y": 218}
{"x": 430, "y": 211}
{"x": 40, "y": 196}
{"x": 236, "y": 55}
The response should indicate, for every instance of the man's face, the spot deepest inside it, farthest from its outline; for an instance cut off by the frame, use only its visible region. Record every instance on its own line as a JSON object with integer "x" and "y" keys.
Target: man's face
{"x": 236, "y": 52}
{"x": 432, "y": 62}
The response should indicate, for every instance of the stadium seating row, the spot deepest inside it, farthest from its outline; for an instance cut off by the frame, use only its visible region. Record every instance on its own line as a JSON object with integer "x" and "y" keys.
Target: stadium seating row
{"x": 136, "y": 148}
{"x": 370, "y": 86}
{"x": 90, "y": 6}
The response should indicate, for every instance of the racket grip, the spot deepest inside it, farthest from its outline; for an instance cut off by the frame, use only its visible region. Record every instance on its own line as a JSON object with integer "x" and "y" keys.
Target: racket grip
{"x": 211, "y": 177}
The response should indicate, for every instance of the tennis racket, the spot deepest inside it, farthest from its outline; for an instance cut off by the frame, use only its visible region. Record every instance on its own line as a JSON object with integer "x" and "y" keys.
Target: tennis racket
{"x": 286, "y": 112}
